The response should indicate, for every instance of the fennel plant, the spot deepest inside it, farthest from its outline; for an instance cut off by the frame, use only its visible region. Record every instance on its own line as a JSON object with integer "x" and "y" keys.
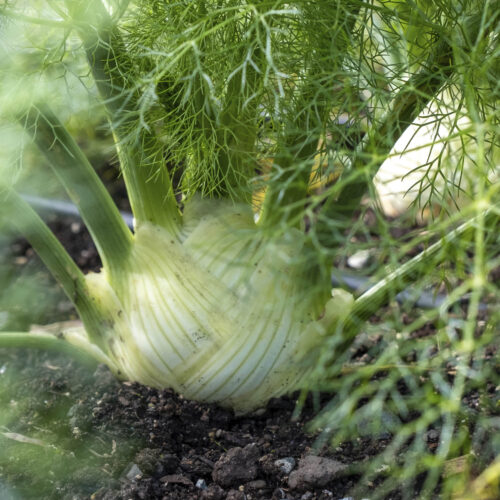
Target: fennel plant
{"x": 248, "y": 135}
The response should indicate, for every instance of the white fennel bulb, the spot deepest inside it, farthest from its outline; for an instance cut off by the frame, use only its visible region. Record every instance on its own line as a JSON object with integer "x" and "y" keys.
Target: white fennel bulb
{"x": 212, "y": 313}
{"x": 435, "y": 163}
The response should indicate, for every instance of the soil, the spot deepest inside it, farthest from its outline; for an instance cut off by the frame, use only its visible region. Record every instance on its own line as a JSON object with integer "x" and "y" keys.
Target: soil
{"x": 101, "y": 439}
{"x": 72, "y": 431}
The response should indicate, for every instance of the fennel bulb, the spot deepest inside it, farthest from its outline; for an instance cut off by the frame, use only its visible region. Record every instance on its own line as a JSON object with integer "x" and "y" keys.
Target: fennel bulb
{"x": 427, "y": 165}
{"x": 189, "y": 312}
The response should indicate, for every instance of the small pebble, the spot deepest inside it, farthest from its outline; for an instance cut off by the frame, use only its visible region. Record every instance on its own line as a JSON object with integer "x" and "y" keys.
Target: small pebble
{"x": 314, "y": 471}
{"x": 236, "y": 466}
{"x": 134, "y": 473}
{"x": 75, "y": 227}
{"x": 432, "y": 435}
{"x": 359, "y": 259}
{"x": 285, "y": 465}
{"x": 201, "y": 484}
{"x": 258, "y": 484}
